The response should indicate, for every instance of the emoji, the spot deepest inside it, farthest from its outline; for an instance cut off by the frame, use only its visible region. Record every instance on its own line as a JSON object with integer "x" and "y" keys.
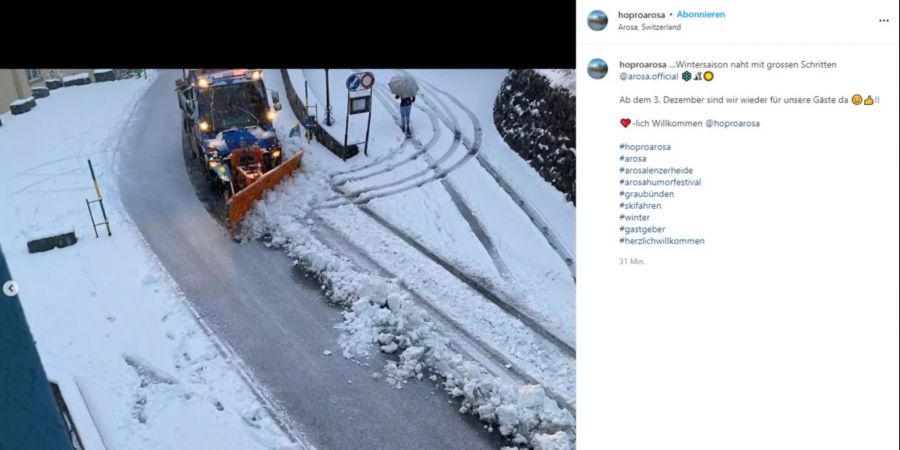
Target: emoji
{"x": 625, "y": 122}
{"x": 708, "y": 76}
{"x": 869, "y": 101}
{"x": 856, "y": 99}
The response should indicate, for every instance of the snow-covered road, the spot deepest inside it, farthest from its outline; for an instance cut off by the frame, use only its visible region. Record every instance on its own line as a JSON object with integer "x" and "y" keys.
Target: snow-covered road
{"x": 277, "y": 321}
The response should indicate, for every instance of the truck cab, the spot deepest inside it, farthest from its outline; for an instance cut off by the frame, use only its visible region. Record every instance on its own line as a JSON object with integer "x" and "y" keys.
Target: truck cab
{"x": 228, "y": 110}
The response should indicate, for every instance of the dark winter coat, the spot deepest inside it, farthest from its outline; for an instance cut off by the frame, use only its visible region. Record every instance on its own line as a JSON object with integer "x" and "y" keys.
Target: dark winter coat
{"x": 406, "y": 101}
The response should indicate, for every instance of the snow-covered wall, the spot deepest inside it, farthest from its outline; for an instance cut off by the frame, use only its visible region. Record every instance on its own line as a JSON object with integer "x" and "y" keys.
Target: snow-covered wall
{"x": 537, "y": 120}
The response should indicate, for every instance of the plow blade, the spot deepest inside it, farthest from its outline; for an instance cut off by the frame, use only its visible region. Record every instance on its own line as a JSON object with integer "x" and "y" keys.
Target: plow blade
{"x": 241, "y": 202}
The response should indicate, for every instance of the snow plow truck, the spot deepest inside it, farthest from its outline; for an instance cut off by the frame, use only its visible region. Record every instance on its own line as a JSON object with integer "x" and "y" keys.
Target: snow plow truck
{"x": 228, "y": 118}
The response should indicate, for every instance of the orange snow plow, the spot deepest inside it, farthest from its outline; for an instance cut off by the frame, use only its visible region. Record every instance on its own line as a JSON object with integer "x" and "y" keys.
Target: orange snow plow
{"x": 250, "y": 181}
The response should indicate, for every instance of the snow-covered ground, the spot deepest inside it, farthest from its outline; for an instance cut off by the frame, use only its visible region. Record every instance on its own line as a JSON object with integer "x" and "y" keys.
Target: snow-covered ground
{"x": 104, "y": 311}
{"x": 433, "y": 191}
{"x": 523, "y": 266}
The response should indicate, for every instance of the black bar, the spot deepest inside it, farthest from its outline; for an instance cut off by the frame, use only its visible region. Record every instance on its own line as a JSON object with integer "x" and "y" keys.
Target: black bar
{"x": 347, "y": 123}
{"x": 105, "y": 219}
{"x": 94, "y": 224}
{"x": 369, "y": 124}
{"x": 328, "y": 119}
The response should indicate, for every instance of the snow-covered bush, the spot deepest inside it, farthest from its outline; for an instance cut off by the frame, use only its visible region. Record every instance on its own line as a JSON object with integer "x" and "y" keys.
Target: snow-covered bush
{"x": 536, "y": 118}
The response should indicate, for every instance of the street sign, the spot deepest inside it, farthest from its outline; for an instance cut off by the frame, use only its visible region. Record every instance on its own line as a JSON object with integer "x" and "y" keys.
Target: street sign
{"x": 361, "y": 104}
{"x": 360, "y": 81}
{"x": 359, "y": 101}
{"x": 353, "y": 82}
{"x": 366, "y": 80}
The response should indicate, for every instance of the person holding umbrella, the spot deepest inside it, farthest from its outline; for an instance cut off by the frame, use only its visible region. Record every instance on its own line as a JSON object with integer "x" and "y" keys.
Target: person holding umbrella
{"x": 405, "y": 110}
{"x": 405, "y": 88}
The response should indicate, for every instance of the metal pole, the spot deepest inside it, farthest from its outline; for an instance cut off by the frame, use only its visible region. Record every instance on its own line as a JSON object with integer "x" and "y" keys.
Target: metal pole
{"x": 93, "y": 223}
{"x": 368, "y": 125}
{"x": 347, "y": 123}
{"x": 329, "y": 120}
{"x": 99, "y": 197}
{"x": 306, "y": 93}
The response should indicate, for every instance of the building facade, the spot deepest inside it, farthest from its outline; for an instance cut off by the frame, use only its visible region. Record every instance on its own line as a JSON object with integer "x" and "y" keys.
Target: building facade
{"x": 15, "y": 84}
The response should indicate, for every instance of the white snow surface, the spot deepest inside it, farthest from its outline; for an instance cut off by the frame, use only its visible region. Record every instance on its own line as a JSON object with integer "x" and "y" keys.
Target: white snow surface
{"x": 21, "y": 101}
{"x": 381, "y": 314}
{"x": 564, "y": 78}
{"x": 104, "y": 311}
{"x": 76, "y": 77}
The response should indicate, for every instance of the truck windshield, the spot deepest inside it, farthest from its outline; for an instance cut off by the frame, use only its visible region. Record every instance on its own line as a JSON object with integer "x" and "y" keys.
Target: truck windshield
{"x": 234, "y": 105}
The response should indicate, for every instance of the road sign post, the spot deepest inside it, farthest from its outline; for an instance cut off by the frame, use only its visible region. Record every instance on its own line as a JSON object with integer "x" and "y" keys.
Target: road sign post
{"x": 360, "y": 84}
{"x": 329, "y": 119}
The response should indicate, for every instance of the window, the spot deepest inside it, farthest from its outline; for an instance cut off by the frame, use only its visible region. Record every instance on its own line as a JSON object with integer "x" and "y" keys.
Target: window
{"x": 235, "y": 105}
{"x": 359, "y": 105}
{"x": 33, "y": 74}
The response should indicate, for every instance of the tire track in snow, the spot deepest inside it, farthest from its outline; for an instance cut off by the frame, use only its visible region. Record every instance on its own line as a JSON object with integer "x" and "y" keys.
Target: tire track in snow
{"x": 549, "y": 234}
{"x": 450, "y": 120}
{"x": 432, "y": 165}
{"x": 479, "y": 287}
{"x": 472, "y": 283}
{"x": 345, "y": 197}
{"x": 366, "y": 194}
{"x": 387, "y": 156}
{"x": 564, "y": 252}
{"x": 474, "y": 222}
{"x": 419, "y": 147}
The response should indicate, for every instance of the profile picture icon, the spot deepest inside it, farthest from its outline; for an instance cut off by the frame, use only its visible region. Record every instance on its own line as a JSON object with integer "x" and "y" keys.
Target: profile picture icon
{"x": 597, "y": 68}
{"x": 597, "y": 20}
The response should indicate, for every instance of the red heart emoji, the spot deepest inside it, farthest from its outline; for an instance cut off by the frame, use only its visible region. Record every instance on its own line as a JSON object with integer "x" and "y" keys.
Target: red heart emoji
{"x": 625, "y": 122}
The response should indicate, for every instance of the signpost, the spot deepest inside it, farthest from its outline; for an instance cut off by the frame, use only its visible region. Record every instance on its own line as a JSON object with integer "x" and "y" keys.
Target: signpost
{"x": 359, "y": 100}
{"x": 329, "y": 120}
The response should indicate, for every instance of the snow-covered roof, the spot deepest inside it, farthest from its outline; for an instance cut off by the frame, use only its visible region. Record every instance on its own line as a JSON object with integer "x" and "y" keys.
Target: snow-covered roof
{"x": 102, "y": 70}
{"x": 76, "y": 77}
{"x": 21, "y": 101}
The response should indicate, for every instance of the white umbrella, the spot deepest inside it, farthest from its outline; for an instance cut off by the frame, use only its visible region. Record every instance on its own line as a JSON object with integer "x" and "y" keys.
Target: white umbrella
{"x": 404, "y": 85}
